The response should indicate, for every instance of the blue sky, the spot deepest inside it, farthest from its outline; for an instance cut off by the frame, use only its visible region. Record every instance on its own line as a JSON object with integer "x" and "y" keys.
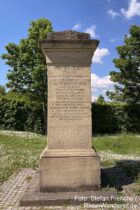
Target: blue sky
{"x": 106, "y": 20}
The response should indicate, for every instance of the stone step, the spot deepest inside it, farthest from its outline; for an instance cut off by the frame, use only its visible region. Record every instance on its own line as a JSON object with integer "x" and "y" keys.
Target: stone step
{"x": 32, "y": 196}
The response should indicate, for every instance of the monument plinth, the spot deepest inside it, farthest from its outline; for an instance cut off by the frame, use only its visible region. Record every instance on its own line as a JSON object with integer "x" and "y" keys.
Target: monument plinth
{"x": 69, "y": 163}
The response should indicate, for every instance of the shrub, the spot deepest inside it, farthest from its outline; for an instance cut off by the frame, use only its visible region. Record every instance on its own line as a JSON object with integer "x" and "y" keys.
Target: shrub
{"x": 115, "y": 118}
{"x": 18, "y": 114}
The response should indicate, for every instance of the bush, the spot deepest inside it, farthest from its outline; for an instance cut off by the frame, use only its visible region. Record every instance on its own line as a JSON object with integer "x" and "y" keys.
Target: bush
{"x": 18, "y": 114}
{"x": 115, "y": 118}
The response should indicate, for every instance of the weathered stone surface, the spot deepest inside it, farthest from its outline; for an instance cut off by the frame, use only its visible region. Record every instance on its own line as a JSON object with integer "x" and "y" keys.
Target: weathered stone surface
{"x": 68, "y": 71}
{"x": 69, "y": 162}
{"x": 69, "y": 174}
{"x": 67, "y": 35}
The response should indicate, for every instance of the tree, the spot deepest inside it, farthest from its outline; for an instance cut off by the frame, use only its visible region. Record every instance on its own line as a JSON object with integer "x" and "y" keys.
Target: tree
{"x": 28, "y": 72}
{"x": 127, "y": 79}
{"x": 100, "y": 99}
{"x": 2, "y": 90}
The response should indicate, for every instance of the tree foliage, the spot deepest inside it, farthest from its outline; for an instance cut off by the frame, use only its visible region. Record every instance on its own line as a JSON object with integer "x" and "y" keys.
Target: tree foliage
{"x": 127, "y": 79}
{"x": 28, "y": 73}
{"x": 2, "y": 90}
{"x": 100, "y": 99}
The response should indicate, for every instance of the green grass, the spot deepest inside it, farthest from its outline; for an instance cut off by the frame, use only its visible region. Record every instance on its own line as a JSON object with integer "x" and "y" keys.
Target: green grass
{"x": 120, "y": 144}
{"x": 23, "y": 151}
{"x": 19, "y": 152}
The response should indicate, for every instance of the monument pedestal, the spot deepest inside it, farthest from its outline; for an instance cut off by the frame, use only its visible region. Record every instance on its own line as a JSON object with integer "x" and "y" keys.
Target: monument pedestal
{"x": 69, "y": 163}
{"x": 69, "y": 170}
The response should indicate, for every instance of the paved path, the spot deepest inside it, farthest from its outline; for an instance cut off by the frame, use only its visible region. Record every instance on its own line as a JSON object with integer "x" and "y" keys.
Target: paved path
{"x": 12, "y": 190}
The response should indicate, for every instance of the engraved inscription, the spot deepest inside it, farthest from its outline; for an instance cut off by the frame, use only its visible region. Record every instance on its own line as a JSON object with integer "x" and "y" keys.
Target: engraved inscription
{"x": 68, "y": 71}
{"x": 70, "y": 89}
{"x": 68, "y": 110}
{"x": 69, "y": 99}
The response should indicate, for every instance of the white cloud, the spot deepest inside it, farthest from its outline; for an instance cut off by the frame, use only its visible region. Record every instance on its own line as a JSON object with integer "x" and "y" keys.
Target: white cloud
{"x": 77, "y": 26}
{"x": 99, "y": 86}
{"x": 100, "y": 82}
{"x": 133, "y": 9}
{"x": 91, "y": 31}
{"x": 94, "y": 98}
{"x": 112, "y": 13}
{"x": 99, "y": 54}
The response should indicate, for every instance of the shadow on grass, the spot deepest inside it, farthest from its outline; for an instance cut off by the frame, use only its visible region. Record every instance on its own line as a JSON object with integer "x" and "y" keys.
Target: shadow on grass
{"x": 123, "y": 173}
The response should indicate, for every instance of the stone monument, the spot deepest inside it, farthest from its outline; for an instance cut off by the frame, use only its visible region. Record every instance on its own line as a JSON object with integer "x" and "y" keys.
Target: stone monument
{"x": 69, "y": 163}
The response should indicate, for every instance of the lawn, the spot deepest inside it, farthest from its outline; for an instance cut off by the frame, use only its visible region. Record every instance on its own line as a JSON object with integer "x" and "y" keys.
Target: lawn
{"x": 119, "y": 144}
{"x": 19, "y": 151}
{"x": 22, "y": 150}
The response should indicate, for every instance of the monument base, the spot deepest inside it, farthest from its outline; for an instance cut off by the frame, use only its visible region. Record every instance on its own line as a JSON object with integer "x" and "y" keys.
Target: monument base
{"x": 32, "y": 196}
{"x": 69, "y": 170}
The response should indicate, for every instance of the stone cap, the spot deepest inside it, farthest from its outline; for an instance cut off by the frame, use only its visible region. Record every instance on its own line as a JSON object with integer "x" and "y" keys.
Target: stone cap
{"x": 67, "y": 35}
{"x": 68, "y": 39}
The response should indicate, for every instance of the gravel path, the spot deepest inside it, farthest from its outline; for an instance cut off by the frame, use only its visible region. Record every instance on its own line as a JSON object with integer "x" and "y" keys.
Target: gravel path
{"x": 113, "y": 156}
